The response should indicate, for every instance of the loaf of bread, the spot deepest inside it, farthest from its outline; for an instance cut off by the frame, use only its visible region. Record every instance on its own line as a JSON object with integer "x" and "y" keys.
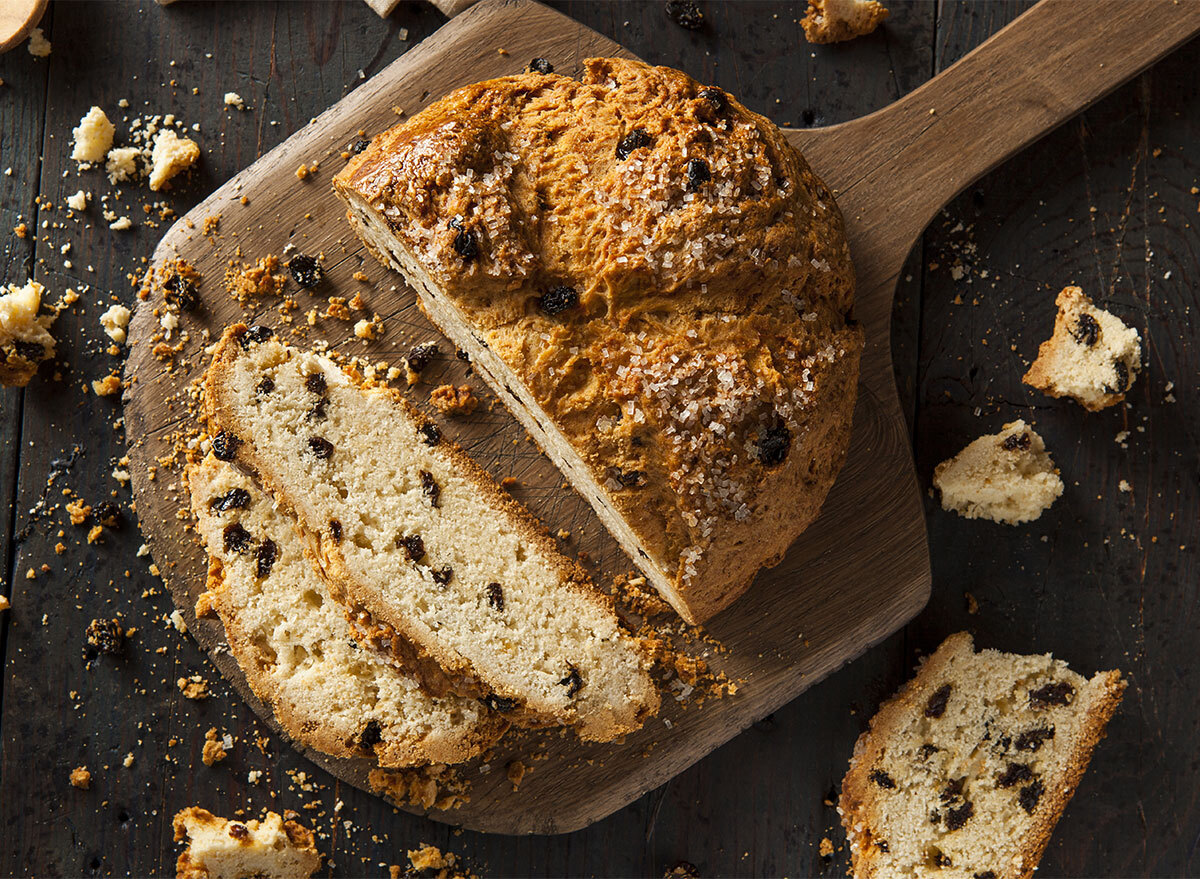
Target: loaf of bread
{"x": 434, "y": 560}
{"x": 222, "y": 849}
{"x": 965, "y": 772}
{"x": 296, "y": 647}
{"x": 651, "y": 278}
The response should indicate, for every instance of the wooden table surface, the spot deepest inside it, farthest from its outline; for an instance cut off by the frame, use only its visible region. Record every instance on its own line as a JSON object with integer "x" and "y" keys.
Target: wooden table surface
{"x": 1108, "y": 577}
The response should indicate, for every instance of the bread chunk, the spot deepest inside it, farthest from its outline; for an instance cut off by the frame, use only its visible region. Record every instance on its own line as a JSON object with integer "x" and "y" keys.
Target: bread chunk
{"x": 222, "y": 849}
{"x": 171, "y": 155}
{"x": 651, "y": 278}
{"x": 1092, "y": 356}
{"x": 1007, "y": 477}
{"x": 296, "y": 646}
{"x": 423, "y": 540}
{"x": 93, "y": 136}
{"x": 25, "y": 339}
{"x": 966, "y": 770}
{"x": 834, "y": 21}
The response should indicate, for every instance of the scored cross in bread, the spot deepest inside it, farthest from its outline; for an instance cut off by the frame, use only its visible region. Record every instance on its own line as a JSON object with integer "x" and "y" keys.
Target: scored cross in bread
{"x": 434, "y": 560}
{"x": 651, "y": 278}
{"x": 296, "y": 646}
{"x": 964, "y": 773}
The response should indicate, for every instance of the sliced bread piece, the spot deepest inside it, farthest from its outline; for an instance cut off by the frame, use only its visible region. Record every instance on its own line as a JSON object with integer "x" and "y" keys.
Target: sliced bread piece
{"x": 296, "y": 646}
{"x": 222, "y": 849}
{"x": 1006, "y": 477}
{"x": 964, "y": 773}
{"x": 1092, "y": 357}
{"x": 422, "y": 545}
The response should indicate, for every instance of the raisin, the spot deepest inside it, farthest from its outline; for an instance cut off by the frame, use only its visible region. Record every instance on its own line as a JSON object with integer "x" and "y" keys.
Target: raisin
{"x": 956, "y": 818}
{"x": 419, "y": 357}
{"x": 942, "y": 859}
{"x": 682, "y": 870}
{"x": 499, "y": 703}
{"x": 573, "y": 682}
{"x": 1030, "y": 795}
{"x": 882, "y": 779}
{"x": 234, "y": 499}
{"x": 108, "y": 514}
{"x": 178, "y": 290}
{"x": 31, "y": 351}
{"x": 628, "y": 478}
{"x": 927, "y": 751}
{"x": 317, "y": 412}
{"x": 541, "y": 65}
{"x": 952, "y": 791}
{"x": 430, "y": 434}
{"x": 1014, "y": 773}
{"x": 237, "y": 538}
{"x": 371, "y": 735}
{"x": 697, "y": 173}
{"x": 462, "y": 355}
{"x": 882, "y": 845}
{"x": 716, "y": 98}
{"x": 558, "y": 299}
{"x": 635, "y": 140}
{"x": 774, "y": 443}
{"x": 936, "y": 706}
{"x": 1122, "y": 373}
{"x": 335, "y": 530}
{"x": 686, "y": 14}
{"x": 1032, "y": 739}
{"x": 265, "y": 386}
{"x": 1053, "y": 693}
{"x": 414, "y": 547}
{"x": 986, "y": 874}
{"x": 255, "y": 335}
{"x": 442, "y": 576}
{"x": 239, "y": 832}
{"x": 359, "y": 145}
{"x": 306, "y": 270}
{"x": 315, "y": 382}
{"x": 495, "y": 596}
{"x": 1087, "y": 331}
{"x": 464, "y": 242}
{"x": 225, "y": 446}
{"x": 430, "y": 488}
{"x": 265, "y": 558}
{"x": 320, "y": 447}
{"x": 106, "y": 636}
{"x": 1016, "y": 441}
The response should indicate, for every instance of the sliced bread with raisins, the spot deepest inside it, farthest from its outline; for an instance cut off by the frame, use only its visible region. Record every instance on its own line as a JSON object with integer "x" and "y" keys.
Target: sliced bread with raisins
{"x": 652, "y": 279}
{"x": 431, "y": 556}
{"x": 222, "y": 849}
{"x": 964, "y": 773}
{"x": 296, "y": 646}
{"x": 1092, "y": 356}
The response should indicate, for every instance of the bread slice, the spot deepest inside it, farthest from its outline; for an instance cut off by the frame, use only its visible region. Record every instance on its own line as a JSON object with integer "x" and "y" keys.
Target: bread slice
{"x": 964, "y": 773}
{"x": 1092, "y": 356}
{"x": 296, "y": 646}
{"x": 654, "y": 282}
{"x": 222, "y": 849}
{"x": 1007, "y": 477}
{"x": 429, "y": 554}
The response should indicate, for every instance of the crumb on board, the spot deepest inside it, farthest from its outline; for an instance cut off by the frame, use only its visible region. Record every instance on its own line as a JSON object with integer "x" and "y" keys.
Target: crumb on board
{"x": 194, "y": 687}
{"x": 436, "y": 786}
{"x": 516, "y": 772}
{"x": 214, "y": 748}
{"x": 450, "y": 400}
{"x": 81, "y": 778}
{"x": 264, "y": 278}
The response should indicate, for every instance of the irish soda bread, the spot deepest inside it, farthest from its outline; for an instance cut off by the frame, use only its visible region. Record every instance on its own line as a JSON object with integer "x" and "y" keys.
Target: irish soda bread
{"x": 1092, "y": 356}
{"x": 651, "y": 278}
{"x": 1006, "y": 477}
{"x": 432, "y": 558}
{"x": 222, "y": 849}
{"x": 296, "y": 647}
{"x": 964, "y": 773}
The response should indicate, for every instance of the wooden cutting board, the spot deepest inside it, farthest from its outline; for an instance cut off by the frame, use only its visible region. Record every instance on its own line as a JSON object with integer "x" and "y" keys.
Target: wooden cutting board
{"x": 858, "y": 574}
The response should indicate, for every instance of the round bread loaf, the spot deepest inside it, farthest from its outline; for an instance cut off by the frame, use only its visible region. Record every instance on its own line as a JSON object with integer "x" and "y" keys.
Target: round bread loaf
{"x": 652, "y": 279}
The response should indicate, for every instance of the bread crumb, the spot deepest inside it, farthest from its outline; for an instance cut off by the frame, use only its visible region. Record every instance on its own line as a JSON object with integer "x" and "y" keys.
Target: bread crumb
{"x": 39, "y": 46}
{"x": 214, "y": 749}
{"x": 4, "y": 603}
{"x": 194, "y": 687}
{"x": 516, "y": 771}
{"x": 368, "y": 329}
{"x": 450, "y": 400}
{"x": 25, "y": 339}
{"x": 107, "y": 386}
{"x": 261, "y": 279}
{"x": 834, "y": 21}
{"x": 114, "y": 321}
{"x": 121, "y": 225}
{"x": 121, "y": 164}
{"x": 81, "y": 778}
{"x": 825, "y": 849}
{"x": 361, "y": 276}
{"x": 972, "y": 603}
{"x": 172, "y": 154}
{"x": 93, "y": 136}
{"x": 78, "y": 511}
{"x": 233, "y": 99}
{"x": 78, "y": 201}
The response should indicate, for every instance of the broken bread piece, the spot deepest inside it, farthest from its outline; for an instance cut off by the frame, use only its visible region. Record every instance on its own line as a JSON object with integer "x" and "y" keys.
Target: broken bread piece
{"x": 296, "y": 646}
{"x": 966, "y": 770}
{"x": 432, "y": 557}
{"x": 1092, "y": 357}
{"x": 25, "y": 339}
{"x": 222, "y": 849}
{"x": 1007, "y": 477}
{"x": 834, "y": 21}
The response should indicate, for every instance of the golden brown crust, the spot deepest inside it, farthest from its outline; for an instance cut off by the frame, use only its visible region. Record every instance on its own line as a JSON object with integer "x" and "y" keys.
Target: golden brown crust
{"x": 437, "y": 664}
{"x": 709, "y": 312}
{"x": 858, "y": 794}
